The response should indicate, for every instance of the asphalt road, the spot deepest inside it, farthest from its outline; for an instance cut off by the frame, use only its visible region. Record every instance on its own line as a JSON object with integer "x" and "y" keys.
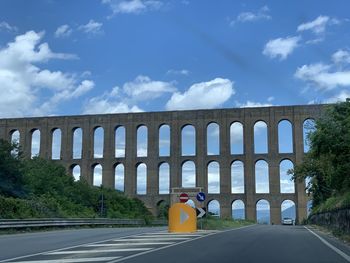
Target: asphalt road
{"x": 18, "y": 245}
{"x": 253, "y": 244}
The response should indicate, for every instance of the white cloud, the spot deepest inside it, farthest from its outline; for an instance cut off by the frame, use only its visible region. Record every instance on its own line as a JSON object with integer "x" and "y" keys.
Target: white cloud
{"x": 63, "y": 31}
{"x": 203, "y": 95}
{"x": 322, "y": 76}
{"x": 24, "y": 83}
{"x": 109, "y": 102}
{"x": 143, "y": 88}
{"x": 281, "y": 47}
{"x": 341, "y": 57}
{"x": 184, "y": 72}
{"x": 7, "y": 27}
{"x": 262, "y": 14}
{"x": 132, "y": 6}
{"x": 318, "y": 26}
{"x": 124, "y": 99}
{"x": 341, "y": 96}
{"x": 252, "y": 104}
{"x": 92, "y": 27}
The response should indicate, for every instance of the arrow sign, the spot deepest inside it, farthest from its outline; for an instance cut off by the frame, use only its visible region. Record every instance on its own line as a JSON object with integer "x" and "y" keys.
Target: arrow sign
{"x": 183, "y": 216}
{"x": 201, "y": 197}
{"x": 200, "y": 212}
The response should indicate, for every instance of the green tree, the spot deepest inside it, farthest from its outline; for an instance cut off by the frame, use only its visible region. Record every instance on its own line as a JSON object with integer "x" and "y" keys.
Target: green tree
{"x": 328, "y": 161}
{"x": 11, "y": 177}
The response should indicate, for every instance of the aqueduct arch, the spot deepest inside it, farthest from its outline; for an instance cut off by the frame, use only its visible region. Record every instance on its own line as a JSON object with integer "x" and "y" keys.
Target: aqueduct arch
{"x": 199, "y": 119}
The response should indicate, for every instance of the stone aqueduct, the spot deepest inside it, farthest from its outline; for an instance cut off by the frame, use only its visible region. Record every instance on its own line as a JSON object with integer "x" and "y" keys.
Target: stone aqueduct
{"x": 176, "y": 120}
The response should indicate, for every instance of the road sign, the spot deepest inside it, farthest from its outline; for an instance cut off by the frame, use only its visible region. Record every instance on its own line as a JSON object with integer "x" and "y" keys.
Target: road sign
{"x": 183, "y": 198}
{"x": 182, "y": 218}
{"x": 201, "y": 211}
{"x": 201, "y": 197}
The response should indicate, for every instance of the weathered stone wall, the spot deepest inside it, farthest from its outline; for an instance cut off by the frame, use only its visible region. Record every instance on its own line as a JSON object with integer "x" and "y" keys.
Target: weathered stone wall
{"x": 176, "y": 120}
{"x": 336, "y": 220}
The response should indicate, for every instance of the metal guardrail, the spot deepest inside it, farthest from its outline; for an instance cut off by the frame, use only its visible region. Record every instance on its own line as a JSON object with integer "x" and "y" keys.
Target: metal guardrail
{"x": 53, "y": 222}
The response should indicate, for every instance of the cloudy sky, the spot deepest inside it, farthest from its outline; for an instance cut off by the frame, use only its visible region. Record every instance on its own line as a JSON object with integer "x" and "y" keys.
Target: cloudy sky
{"x": 113, "y": 56}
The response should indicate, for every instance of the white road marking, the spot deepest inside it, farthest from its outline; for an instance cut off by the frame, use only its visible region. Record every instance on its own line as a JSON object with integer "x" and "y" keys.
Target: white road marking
{"x": 175, "y": 244}
{"x": 337, "y": 250}
{"x": 151, "y": 239}
{"x": 129, "y": 244}
{"x": 99, "y": 251}
{"x": 60, "y": 249}
{"x": 168, "y": 236}
{"x": 69, "y": 260}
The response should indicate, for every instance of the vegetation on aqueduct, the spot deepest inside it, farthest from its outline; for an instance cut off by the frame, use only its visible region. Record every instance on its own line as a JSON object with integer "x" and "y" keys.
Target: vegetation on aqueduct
{"x": 39, "y": 188}
{"x": 327, "y": 164}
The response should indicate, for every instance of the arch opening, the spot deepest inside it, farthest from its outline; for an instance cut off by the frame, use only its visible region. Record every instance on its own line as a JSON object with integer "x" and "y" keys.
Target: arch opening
{"x": 236, "y": 138}
{"x": 286, "y": 180}
{"x": 98, "y": 142}
{"x": 188, "y": 174}
{"x": 285, "y": 137}
{"x": 56, "y": 144}
{"x": 213, "y": 178}
{"x": 263, "y": 212}
{"x": 309, "y": 126}
{"x": 35, "y": 147}
{"x": 288, "y": 210}
{"x": 237, "y": 177}
{"x": 214, "y": 208}
{"x": 77, "y": 143}
{"x": 142, "y": 141}
{"x": 164, "y": 140}
{"x": 238, "y": 210}
{"x": 76, "y": 172}
{"x": 260, "y": 137}
{"x": 141, "y": 179}
{"x": 119, "y": 177}
{"x": 188, "y": 141}
{"x": 97, "y": 175}
{"x": 213, "y": 139}
{"x": 164, "y": 178}
{"x": 119, "y": 142}
{"x": 262, "y": 185}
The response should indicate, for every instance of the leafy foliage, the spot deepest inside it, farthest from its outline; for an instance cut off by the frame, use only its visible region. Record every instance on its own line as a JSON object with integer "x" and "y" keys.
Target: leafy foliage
{"x": 11, "y": 177}
{"x": 47, "y": 191}
{"x": 328, "y": 161}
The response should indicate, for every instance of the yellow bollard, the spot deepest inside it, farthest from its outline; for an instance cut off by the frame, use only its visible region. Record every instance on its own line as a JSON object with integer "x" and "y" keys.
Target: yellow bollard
{"x": 182, "y": 218}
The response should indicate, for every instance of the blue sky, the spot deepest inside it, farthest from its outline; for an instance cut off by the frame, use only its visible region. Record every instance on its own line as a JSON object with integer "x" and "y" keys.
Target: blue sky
{"x": 110, "y": 56}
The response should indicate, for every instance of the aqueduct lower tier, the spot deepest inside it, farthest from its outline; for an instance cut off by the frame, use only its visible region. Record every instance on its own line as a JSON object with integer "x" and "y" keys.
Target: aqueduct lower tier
{"x": 176, "y": 120}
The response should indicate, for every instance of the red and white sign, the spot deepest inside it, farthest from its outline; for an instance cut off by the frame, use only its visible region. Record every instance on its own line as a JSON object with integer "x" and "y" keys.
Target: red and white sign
{"x": 183, "y": 198}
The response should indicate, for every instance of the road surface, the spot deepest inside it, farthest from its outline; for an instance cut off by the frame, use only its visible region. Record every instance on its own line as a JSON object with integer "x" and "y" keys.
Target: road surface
{"x": 257, "y": 243}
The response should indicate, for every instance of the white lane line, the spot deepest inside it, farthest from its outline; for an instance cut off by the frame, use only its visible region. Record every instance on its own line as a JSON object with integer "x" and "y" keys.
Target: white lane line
{"x": 178, "y": 243}
{"x": 99, "y": 251}
{"x": 150, "y": 239}
{"x": 167, "y": 236}
{"x": 60, "y": 249}
{"x": 69, "y": 260}
{"x": 337, "y": 250}
{"x": 129, "y": 244}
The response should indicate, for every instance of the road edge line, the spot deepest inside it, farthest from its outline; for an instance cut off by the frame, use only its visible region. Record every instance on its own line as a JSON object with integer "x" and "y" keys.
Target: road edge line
{"x": 335, "y": 249}
{"x": 172, "y": 245}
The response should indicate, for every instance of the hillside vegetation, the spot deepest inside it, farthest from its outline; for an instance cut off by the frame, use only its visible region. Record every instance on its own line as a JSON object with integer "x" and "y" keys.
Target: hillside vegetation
{"x": 327, "y": 163}
{"x": 39, "y": 188}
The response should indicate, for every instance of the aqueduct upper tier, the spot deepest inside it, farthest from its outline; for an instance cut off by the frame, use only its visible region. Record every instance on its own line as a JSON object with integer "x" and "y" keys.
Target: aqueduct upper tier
{"x": 147, "y": 158}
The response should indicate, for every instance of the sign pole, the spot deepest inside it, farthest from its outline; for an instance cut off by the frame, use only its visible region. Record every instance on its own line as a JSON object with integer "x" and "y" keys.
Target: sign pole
{"x": 201, "y": 218}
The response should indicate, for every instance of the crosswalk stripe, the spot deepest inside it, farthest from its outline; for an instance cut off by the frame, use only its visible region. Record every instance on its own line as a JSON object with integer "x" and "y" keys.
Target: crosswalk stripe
{"x": 129, "y": 244}
{"x": 168, "y": 236}
{"x": 100, "y": 251}
{"x": 151, "y": 239}
{"x": 69, "y": 260}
